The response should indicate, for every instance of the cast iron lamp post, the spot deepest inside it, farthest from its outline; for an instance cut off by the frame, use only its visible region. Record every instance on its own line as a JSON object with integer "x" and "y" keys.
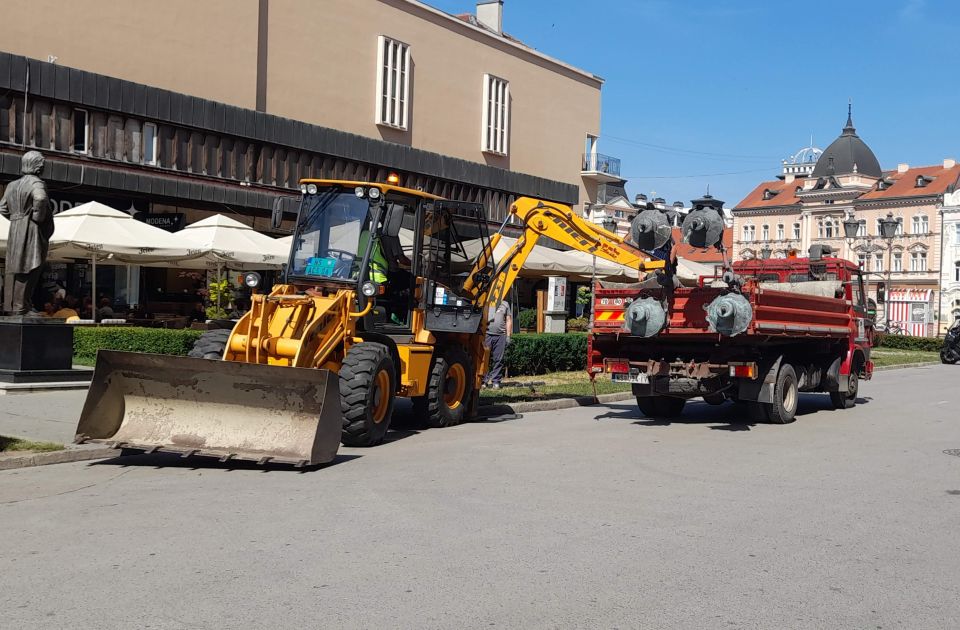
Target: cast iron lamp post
{"x": 888, "y": 229}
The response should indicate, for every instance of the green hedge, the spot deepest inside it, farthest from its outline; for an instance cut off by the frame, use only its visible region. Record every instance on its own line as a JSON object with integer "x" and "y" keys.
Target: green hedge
{"x": 542, "y": 353}
{"x": 905, "y": 342}
{"x": 86, "y": 341}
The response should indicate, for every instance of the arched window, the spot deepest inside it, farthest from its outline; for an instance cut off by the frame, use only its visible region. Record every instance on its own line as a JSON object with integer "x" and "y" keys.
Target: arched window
{"x": 765, "y": 233}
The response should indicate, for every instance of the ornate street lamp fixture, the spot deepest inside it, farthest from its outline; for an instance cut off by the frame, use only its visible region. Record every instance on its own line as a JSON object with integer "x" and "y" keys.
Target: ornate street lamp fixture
{"x": 610, "y": 224}
{"x": 888, "y": 229}
{"x": 889, "y": 226}
{"x": 851, "y": 227}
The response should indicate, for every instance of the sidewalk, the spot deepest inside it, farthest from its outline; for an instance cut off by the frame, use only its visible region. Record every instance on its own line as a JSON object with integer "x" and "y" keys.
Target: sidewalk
{"x": 42, "y": 416}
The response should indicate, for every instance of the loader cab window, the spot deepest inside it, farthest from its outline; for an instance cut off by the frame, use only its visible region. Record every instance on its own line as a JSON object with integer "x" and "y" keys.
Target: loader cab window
{"x": 454, "y": 236}
{"x": 331, "y": 235}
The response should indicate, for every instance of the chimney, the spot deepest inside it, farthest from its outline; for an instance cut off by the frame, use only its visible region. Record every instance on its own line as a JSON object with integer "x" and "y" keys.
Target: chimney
{"x": 949, "y": 163}
{"x": 903, "y": 168}
{"x": 490, "y": 14}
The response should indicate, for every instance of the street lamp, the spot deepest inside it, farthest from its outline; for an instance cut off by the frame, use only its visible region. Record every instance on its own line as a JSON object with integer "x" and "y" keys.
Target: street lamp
{"x": 610, "y": 224}
{"x": 888, "y": 229}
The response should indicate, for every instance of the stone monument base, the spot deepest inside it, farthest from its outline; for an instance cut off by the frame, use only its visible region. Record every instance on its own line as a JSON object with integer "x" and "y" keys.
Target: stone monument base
{"x": 37, "y": 350}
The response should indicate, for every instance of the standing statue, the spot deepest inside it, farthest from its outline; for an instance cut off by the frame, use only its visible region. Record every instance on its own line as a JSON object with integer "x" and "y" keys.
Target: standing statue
{"x": 26, "y": 204}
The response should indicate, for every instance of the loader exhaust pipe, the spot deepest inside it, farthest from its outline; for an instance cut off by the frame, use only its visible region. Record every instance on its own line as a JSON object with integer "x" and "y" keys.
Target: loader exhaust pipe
{"x": 223, "y": 409}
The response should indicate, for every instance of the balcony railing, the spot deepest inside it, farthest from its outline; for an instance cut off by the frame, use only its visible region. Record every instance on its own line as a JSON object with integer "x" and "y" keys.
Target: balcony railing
{"x": 598, "y": 163}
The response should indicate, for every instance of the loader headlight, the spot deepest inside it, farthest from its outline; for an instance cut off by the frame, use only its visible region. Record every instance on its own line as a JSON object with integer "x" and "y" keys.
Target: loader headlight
{"x": 374, "y": 193}
{"x": 311, "y": 189}
{"x": 359, "y": 191}
{"x": 251, "y": 279}
{"x": 369, "y": 289}
{"x": 303, "y": 188}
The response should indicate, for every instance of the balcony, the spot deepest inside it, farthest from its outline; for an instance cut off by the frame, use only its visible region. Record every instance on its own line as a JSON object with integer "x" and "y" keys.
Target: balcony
{"x": 600, "y": 168}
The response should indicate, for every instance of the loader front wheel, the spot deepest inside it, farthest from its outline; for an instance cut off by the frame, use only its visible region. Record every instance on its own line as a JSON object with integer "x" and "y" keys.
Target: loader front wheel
{"x": 448, "y": 390}
{"x": 211, "y": 344}
{"x": 368, "y": 383}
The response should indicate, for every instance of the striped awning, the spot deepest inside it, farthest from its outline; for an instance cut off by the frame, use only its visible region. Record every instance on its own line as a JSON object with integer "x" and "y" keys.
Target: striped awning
{"x": 910, "y": 295}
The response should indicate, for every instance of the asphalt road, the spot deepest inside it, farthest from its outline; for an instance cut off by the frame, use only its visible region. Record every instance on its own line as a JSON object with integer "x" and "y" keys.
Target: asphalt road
{"x": 592, "y": 518}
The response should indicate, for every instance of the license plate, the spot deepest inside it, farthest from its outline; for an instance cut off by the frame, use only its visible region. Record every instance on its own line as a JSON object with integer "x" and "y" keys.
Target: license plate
{"x": 639, "y": 378}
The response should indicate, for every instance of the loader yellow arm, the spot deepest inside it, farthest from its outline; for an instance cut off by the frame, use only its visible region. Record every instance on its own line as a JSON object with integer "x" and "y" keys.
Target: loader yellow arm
{"x": 561, "y": 223}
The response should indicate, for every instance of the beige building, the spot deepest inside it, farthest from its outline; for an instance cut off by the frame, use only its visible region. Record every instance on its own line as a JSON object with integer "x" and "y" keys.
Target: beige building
{"x": 398, "y": 71}
{"x": 794, "y": 212}
{"x": 179, "y": 109}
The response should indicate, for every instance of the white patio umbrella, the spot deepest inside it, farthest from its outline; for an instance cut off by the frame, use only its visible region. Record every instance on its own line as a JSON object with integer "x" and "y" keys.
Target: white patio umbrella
{"x": 102, "y": 234}
{"x": 225, "y": 242}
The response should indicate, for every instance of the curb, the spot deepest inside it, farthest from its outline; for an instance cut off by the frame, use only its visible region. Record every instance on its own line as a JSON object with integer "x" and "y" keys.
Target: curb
{"x": 68, "y": 455}
{"x": 905, "y": 365}
{"x": 550, "y": 405}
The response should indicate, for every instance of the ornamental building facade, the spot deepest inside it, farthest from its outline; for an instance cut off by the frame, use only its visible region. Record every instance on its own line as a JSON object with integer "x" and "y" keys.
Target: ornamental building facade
{"x": 798, "y": 210}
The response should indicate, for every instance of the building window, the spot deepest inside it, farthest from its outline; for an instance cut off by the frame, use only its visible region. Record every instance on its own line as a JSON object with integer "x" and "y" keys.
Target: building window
{"x": 862, "y": 261}
{"x": 828, "y": 229}
{"x": 878, "y": 262}
{"x": 956, "y": 271}
{"x": 393, "y": 83}
{"x": 899, "y": 227}
{"x": 897, "y": 262}
{"x": 496, "y": 115}
{"x": 796, "y": 231}
{"x": 749, "y": 231}
{"x": 81, "y": 131}
{"x": 780, "y": 232}
{"x": 150, "y": 151}
{"x": 920, "y": 225}
{"x": 765, "y": 231}
{"x": 918, "y": 261}
{"x": 862, "y": 228}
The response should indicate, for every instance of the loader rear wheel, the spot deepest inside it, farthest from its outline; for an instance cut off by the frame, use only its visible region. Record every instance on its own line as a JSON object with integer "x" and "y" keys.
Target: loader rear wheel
{"x": 211, "y": 345}
{"x": 661, "y": 406}
{"x": 368, "y": 384}
{"x": 448, "y": 390}
{"x": 786, "y": 395}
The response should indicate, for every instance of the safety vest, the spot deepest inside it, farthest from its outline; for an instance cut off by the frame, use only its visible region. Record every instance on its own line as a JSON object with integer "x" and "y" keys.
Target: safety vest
{"x": 378, "y": 263}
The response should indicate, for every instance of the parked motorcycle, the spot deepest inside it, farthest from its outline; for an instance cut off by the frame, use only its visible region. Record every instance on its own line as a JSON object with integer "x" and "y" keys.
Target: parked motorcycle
{"x": 950, "y": 350}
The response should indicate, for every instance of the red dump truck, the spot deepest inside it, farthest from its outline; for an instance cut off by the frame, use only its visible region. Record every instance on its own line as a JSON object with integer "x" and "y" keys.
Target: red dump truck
{"x": 759, "y": 333}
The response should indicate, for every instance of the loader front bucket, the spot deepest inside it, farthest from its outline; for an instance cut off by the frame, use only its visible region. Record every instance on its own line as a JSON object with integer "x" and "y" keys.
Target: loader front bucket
{"x": 222, "y": 409}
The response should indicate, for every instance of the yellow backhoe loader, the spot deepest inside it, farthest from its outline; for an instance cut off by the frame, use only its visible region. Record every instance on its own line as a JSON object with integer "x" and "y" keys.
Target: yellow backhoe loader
{"x": 384, "y": 295}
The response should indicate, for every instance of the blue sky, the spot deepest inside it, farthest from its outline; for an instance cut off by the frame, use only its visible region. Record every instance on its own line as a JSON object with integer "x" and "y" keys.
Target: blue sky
{"x": 723, "y": 86}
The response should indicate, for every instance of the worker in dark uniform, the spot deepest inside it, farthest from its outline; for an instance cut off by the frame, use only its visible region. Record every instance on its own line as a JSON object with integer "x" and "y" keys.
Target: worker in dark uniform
{"x": 499, "y": 327}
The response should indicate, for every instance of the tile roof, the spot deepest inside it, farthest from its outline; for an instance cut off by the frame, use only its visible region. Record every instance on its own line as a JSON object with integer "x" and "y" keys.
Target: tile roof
{"x": 904, "y": 184}
{"x": 786, "y": 194}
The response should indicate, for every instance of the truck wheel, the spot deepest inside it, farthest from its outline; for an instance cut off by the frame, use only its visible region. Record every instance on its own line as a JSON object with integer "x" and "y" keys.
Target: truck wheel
{"x": 783, "y": 409}
{"x": 847, "y": 399}
{"x": 368, "y": 383}
{"x": 449, "y": 388}
{"x": 668, "y": 407}
{"x": 211, "y": 345}
{"x": 714, "y": 399}
{"x": 660, "y": 406}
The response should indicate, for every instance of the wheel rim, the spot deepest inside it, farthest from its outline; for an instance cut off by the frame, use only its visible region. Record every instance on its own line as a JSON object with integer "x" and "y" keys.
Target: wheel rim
{"x": 790, "y": 398}
{"x": 381, "y": 396}
{"x": 852, "y": 387}
{"x": 454, "y": 386}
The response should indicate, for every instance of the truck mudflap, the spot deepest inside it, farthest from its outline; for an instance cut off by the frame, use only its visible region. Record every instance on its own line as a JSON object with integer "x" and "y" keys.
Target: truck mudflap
{"x": 222, "y": 409}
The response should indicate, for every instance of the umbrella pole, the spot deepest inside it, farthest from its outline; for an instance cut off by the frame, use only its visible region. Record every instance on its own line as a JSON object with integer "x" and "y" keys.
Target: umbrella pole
{"x": 219, "y": 280}
{"x": 93, "y": 288}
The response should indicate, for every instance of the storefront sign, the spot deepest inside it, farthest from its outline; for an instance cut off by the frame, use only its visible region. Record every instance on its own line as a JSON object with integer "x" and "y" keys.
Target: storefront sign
{"x": 171, "y": 222}
{"x": 557, "y": 294}
{"x": 65, "y": 201}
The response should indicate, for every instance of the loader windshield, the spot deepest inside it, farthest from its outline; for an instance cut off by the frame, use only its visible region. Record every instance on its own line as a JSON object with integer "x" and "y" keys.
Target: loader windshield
{"x": 331, "y": 235}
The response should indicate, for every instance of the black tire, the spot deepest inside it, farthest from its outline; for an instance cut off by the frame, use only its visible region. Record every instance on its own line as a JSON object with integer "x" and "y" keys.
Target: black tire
{"x": 847, "y": 399}
{"x": 661, "y": 406}
{"x": 786, "y": 396}
{"x": 211, "y": 345}
{"x": 647, "y": 405}
{"x": 949, "y": 357}
{"x": 366, "y": 376}
{"x": 714, "y": 399}
{"x": 449, "y": 389}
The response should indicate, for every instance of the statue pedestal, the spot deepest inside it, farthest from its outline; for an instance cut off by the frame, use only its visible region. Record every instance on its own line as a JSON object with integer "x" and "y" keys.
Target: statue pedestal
{"x": 37, "y": 350}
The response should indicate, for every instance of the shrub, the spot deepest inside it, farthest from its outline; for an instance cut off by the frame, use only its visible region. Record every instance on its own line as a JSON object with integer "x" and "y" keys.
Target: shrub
{"x": 542, "y": 353}
{"x": 86, "y": 341}
{"x": 527, "y": 318}
{"x": 577, "y": 324}
{"x": 906, "y": 342}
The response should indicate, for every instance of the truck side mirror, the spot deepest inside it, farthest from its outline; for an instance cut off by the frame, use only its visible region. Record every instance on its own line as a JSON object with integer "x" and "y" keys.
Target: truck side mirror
{"x": 276, "y": 217}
